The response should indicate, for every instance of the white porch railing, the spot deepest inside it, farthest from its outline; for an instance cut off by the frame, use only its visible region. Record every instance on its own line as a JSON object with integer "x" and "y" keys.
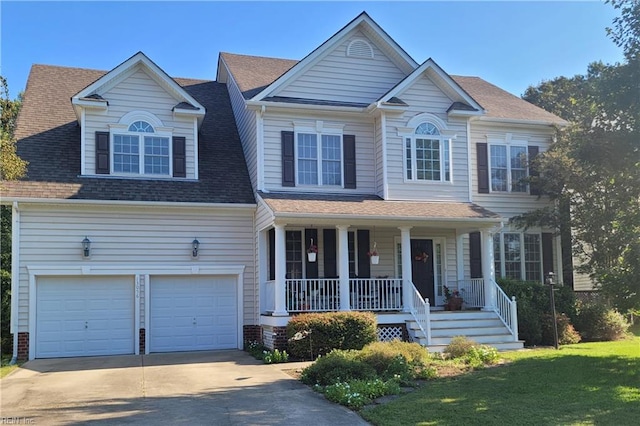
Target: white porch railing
{"x": 313, "y": 295}
{"x": 420, "y": 312}
{"x": 507, "y": 310}
{"x": 472, "y": 292}
{"x": 376, "y": 294}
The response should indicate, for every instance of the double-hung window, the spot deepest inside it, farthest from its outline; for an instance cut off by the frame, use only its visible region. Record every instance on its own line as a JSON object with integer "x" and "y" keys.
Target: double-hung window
{"x": 141, "y": 150}
{"x": 319, "y": 159}
{"x": 427, "y": 155}
{"x": 518, "y": 256}
{"x": 508, "y": 168}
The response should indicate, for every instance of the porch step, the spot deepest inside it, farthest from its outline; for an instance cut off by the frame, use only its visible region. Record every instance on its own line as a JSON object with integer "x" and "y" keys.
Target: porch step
{"x": 483, "y": 327}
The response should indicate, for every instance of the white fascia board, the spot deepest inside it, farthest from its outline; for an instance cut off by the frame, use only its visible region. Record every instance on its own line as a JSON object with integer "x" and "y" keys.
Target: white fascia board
{"x": 266, "y": 206}
{"x": 141, "y": 269}
{"x": 156, "y": 71}
{"x": 351, "y": 218}
{"x": 92, "y": 104}
{"x": 320, "y": 51}
{"x": 257, "y": 105}
{"x": 74, "y": 201}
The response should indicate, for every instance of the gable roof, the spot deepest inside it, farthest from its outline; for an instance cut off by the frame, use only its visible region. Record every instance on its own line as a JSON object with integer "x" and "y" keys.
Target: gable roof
{"x": 441, "y": 79}
{"x": 363, "y": 21}
{"x": 93, "y": 90}
{"x": 49, "y": 138}
{"x": 497, "y": 103}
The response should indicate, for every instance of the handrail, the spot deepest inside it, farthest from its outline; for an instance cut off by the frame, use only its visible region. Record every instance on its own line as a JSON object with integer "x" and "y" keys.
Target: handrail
{"x": 420, "y": 312}
{"x": 507, "y": 310}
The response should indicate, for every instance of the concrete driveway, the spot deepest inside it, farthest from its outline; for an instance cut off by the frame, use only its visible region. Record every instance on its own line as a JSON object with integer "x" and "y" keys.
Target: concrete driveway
{"x": 199, "y": 388}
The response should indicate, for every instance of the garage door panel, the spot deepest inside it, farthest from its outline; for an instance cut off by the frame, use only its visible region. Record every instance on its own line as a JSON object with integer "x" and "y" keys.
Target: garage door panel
{"x": 82, "y": 316}
{"x": 191, "y": 313}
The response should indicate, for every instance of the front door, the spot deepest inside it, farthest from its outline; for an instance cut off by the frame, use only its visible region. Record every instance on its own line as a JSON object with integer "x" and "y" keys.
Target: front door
{"x": 422, "y": 268}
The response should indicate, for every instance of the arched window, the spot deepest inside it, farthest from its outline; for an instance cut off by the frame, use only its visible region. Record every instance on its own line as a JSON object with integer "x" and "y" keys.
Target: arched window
{"x": 427, "y": 154}
{"x": 141, "y": 150}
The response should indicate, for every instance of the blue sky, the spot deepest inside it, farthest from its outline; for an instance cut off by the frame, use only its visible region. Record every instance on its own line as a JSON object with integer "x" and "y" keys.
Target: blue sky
{"x": 512, "y": 44}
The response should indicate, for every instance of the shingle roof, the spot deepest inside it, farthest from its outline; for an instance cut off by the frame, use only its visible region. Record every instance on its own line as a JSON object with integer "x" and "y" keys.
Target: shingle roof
{"x": 371, "y": 206}
{"x": 254, "y": 73}
{"x": 49, "y": 138}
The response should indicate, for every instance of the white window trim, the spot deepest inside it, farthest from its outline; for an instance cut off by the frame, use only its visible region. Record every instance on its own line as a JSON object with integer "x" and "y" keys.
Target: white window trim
{"x": 508, "y": 143}
{"x": 523, "y": 270}
{"x": 321, "y": 128}
{"x": 122, "y": 129}
{"x": 444, "y": 137}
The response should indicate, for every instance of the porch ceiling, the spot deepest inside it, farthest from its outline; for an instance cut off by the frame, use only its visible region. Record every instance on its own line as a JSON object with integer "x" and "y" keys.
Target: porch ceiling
{"x": 364, "y": 208}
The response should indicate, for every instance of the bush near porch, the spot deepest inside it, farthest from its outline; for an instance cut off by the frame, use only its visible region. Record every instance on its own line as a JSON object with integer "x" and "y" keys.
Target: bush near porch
{"x": 316, "y": 334}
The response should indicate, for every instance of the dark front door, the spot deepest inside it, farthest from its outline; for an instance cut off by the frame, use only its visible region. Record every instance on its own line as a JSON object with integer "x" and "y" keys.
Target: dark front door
{"x": 422, "y": 268}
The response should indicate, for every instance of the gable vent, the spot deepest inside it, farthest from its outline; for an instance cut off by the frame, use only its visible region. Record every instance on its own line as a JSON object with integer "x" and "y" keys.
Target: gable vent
{"x": 360, "y": 49}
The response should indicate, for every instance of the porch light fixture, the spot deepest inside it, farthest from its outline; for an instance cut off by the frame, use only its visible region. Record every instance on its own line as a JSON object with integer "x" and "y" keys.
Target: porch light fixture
{"x": 86, "y": 247}
{"x": 550, "y": 283}
{"x": 195, "y": 245}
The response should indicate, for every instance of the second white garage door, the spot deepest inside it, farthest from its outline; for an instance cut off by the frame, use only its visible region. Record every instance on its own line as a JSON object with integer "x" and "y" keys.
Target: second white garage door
{"x": 192, "y": 313}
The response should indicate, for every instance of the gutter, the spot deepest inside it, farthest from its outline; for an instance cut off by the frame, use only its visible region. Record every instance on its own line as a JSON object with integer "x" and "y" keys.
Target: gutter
{"x": 390, "y": 218}
{"x": 15, "y": 277}
{"x": 75, "y": 201}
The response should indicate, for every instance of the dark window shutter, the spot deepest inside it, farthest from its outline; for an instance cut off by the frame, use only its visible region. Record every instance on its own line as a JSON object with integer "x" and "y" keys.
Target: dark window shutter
{"x": 288, "y": 160}
{"x": 349, "y": 148}
{"x": 483, "y": 168}
{"x": 534, "y": 186}
{"x": 272, "y": 254}
{"x": 311, "y": 267}
{"x": 330, "y": 261}
{"x": 364, "y": 267}
{"x": 547, "y": 253}
{"x": 102, "y": 153}
{"x": 475, "y": 254}
{"x": 179, "y": 157}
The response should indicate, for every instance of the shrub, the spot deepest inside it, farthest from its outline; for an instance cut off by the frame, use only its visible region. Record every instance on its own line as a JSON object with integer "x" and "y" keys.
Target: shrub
{"x": 533, "y": 304}
{"x": 275, "y": 357}
{"x": 567, "y": 334}
{"x": 402, "y": 360}
{"x": 328, "y": 331}
{"x": 479, "y": 355}
{"x": 596, "y": 322}
{"x": 459, "y": 347}
{"x": 255, "y": 349}
{"x": 355, "y": 394}
{"x": 335, "y": 367}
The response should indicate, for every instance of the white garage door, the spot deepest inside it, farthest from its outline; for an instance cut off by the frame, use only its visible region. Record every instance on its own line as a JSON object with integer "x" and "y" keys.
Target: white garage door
{"x": 84, "y": 316}
{"x": 192, "y": 313}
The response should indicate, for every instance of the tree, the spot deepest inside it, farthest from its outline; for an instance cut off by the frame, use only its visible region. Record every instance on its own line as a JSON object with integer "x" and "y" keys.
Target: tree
{"x": 11, "y": 167}
{"x": 594, "y": 164}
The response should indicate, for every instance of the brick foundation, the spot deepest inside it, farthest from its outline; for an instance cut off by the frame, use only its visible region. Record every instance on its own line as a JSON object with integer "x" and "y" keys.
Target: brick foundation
{"x": 143, "y": 334}
{"x": 23, "y": 346}
{"x": 274, "y": 337}
{"x": 251, "y": 333}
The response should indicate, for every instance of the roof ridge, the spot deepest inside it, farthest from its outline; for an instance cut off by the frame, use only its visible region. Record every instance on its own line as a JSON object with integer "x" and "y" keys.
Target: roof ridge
{"x": 259, "y": 56}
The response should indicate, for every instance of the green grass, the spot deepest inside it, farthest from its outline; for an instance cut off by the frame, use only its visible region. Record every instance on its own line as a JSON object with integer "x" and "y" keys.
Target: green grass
{"x": 5, "y": 368}
{"x": 583, "y": 384}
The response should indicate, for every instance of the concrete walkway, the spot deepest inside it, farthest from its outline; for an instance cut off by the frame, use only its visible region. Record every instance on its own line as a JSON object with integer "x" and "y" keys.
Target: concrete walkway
{"x": 198, "y": 388}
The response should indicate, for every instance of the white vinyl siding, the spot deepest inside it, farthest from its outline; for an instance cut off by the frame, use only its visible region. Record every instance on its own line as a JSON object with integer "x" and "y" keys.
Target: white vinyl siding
{"x": 365, "y": 163}
{"x": 507, "y": 204}
{"x": 339, "y": 77}
{"x": 138, "y": 238}
{"x": 138, "y": 92}
{"x": 423, "y": 95}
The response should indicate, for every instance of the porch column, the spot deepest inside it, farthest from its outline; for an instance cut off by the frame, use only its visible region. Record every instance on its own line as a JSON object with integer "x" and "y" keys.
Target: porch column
{"x": 343, "y": 267}
{"x": 263, "y": 273}
{"x": 281, "y": 272}
{"x": 459, "y": 256}
{"x": 407, "y": 286}
{"x": 488, "y": 272}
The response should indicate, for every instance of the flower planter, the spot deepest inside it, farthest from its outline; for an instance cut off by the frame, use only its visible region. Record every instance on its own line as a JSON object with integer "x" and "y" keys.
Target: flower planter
{"x": 312, "y": 257}
{"x": 454, "y": 304}
{"x": 375, "y": 260}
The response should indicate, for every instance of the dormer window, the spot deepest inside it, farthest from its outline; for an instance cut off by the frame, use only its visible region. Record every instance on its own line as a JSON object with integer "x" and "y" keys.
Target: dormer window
{"x": 427, "y": 155}
{"x": 141, "y": 150}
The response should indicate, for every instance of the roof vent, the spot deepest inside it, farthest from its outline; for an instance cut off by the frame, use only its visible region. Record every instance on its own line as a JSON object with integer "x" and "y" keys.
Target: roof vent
{"x": 360, "y": 49}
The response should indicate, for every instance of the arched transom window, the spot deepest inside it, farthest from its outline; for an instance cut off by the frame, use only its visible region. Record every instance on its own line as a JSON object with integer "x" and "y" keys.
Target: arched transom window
{"x": 427, "y": 154}
{"x": 141, "y": 150}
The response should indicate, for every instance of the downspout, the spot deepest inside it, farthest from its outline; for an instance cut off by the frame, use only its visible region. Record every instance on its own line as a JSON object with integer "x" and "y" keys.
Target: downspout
{"x": 15, "y": 277}
{"x": 469, "y": 159}
{"x": 385, "y": 182}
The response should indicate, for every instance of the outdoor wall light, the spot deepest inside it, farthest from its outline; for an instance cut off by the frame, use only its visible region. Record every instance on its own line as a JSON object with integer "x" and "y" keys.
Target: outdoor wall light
{"x": 195, "y": 245}
{"x": 86, "y": 247}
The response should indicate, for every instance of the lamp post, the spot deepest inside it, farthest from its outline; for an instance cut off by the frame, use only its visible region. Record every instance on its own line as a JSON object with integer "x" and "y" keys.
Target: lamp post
{"x": 550, "y": 283}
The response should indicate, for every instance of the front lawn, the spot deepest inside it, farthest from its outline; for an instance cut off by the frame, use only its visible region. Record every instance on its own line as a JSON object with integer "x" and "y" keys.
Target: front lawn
{"x": 5, "y": 368}
{"x": 582, "y": 384}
